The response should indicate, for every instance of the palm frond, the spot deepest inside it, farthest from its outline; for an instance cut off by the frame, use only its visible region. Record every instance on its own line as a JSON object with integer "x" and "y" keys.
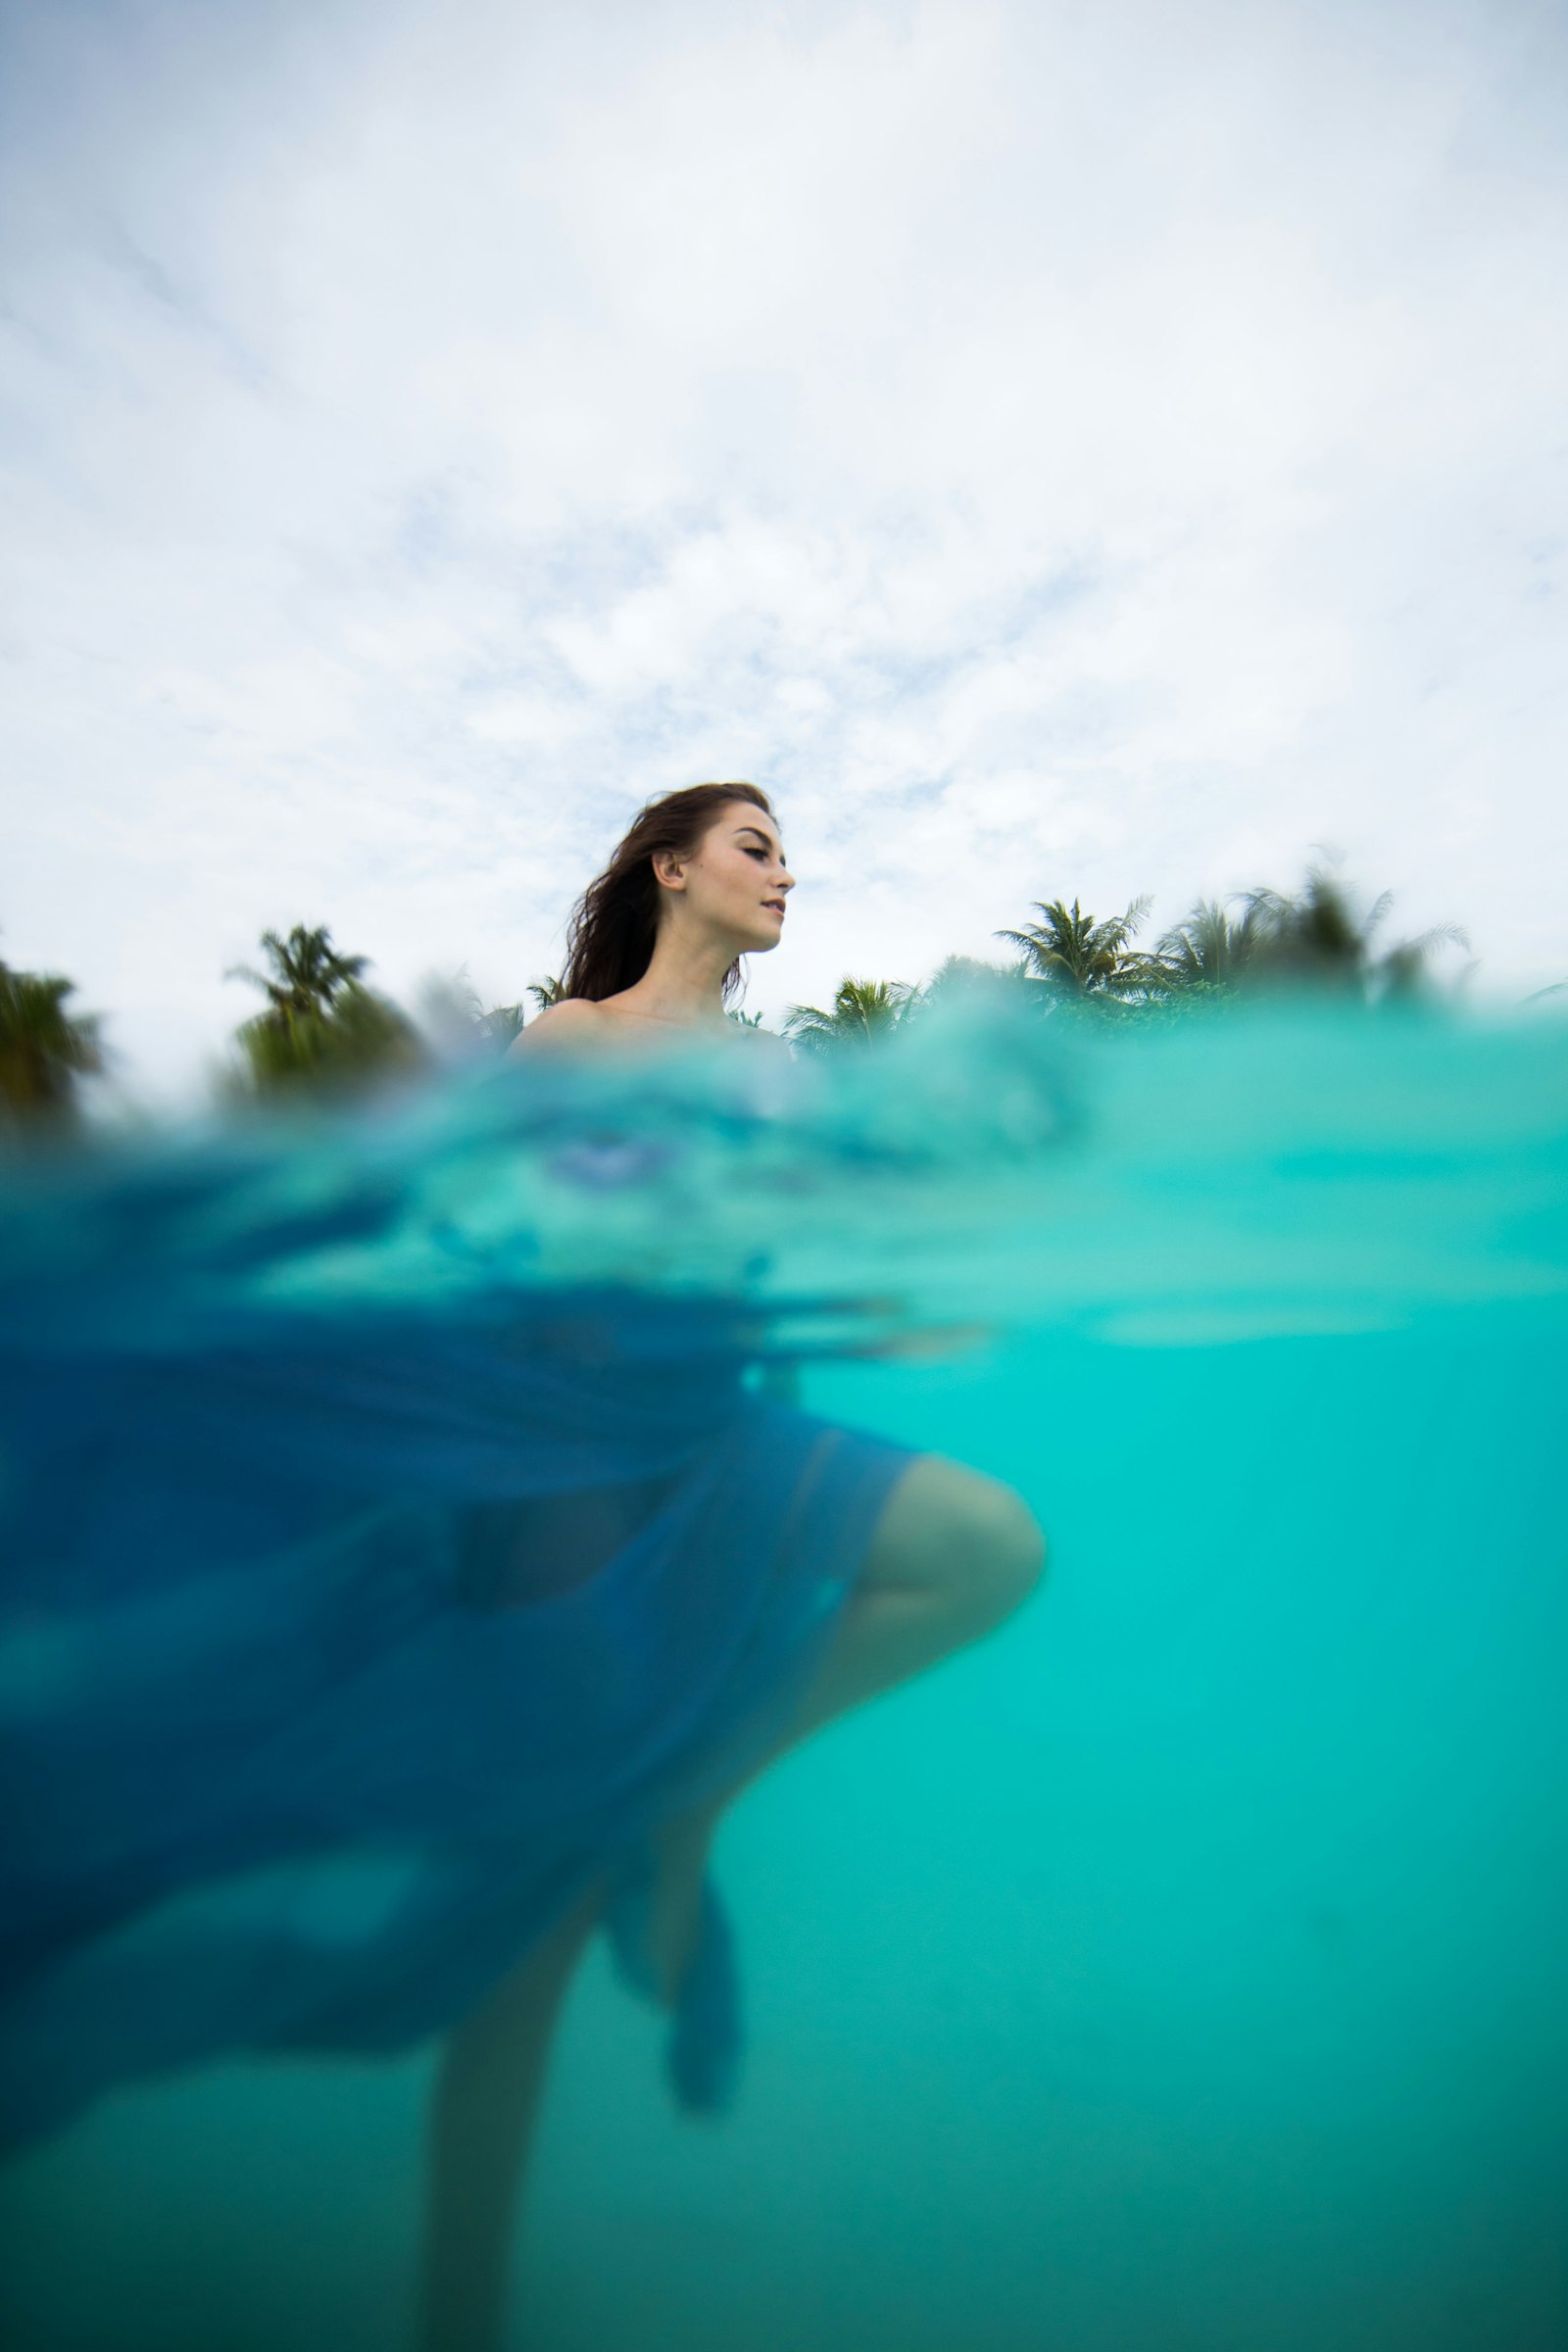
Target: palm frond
{"x": 1070, "y": 949}
{"x": 861, "y": 1009}
{"x": 44, "y": 1047}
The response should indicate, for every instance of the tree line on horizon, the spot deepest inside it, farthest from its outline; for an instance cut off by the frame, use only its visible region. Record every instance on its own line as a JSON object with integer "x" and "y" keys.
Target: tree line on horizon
{"x": 322, "y": 1028}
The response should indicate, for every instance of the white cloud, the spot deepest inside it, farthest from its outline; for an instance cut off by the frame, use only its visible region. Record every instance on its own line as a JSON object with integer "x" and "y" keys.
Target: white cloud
{"x": 1055, "y": 449}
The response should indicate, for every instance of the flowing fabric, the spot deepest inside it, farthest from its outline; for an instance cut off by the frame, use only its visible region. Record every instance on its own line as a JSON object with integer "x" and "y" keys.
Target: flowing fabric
{"x": 391, "y": 1537}
{"x": 332, "y": 1675}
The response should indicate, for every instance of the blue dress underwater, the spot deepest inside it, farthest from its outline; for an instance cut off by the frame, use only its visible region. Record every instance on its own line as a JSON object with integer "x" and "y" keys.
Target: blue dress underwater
{"x": 348, "y": 1634}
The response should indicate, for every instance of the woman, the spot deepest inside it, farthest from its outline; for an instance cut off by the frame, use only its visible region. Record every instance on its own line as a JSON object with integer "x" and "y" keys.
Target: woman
{"x": 942, "y": 1555}
{"x": 380, "y": 1613}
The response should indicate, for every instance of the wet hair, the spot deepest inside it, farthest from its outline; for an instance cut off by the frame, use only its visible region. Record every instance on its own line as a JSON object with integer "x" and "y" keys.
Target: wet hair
{"x": 610, "y": 940}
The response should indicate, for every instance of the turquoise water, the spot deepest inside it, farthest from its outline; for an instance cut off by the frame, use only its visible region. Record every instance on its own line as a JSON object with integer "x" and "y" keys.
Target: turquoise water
{"x": 1183, "y": 1968}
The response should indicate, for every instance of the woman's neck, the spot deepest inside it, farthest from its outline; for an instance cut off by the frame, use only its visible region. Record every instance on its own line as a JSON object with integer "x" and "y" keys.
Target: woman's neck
{"x": 683, "y": 985}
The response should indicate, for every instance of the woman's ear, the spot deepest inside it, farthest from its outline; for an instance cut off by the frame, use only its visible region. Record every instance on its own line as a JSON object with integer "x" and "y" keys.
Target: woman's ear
{"x": 670, "y": 869}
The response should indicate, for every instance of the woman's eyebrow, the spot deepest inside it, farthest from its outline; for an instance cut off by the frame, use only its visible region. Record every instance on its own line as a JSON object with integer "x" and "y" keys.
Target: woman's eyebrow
{"x": 763, "y": 839}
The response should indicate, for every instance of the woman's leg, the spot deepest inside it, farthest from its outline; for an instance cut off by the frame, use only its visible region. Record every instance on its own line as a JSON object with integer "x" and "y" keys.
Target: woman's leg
{"x": 488, "y": 2086}
{"x": 953, "y": 1555}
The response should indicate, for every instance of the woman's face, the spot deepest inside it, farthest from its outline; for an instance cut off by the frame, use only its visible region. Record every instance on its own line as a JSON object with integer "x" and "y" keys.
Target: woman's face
{"x": 735, "y": 882}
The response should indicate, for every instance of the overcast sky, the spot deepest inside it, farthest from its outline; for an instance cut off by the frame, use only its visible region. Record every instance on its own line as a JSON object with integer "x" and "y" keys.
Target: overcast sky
{"x": 1063, "y": 446}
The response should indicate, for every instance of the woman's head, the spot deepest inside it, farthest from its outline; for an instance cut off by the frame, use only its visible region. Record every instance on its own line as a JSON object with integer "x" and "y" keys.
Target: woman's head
{"x": 708, "y": 856}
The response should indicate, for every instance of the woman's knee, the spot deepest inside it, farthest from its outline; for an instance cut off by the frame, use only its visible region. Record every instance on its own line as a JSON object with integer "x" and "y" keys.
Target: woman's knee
{"x": 968, "y": 1539}
{"x": 1000, "y": 1535}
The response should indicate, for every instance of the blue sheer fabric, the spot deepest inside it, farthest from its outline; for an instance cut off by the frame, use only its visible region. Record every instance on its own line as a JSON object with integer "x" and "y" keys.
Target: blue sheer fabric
{"x": 331, "y": 1671}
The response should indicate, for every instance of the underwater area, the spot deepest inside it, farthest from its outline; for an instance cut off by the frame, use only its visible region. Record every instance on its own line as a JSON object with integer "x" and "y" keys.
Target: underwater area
{"x": 1179, "y": 1970}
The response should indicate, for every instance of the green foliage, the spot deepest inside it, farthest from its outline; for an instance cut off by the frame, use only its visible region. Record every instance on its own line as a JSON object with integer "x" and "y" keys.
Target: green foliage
{"x": 1208, "y": 950}
{"x": 1073, "y": 955}
{"x": 44, "y": 1048}
{"x": 453, "y": 1013}
{"x": 1320, "y": 937}
{"x": 501, "y": 1025}
{"x": 307, "y": 974}
{"x": 862, "y": 1010}
{"x": 969, "y": 978}
{"x": 322, "y": 1029}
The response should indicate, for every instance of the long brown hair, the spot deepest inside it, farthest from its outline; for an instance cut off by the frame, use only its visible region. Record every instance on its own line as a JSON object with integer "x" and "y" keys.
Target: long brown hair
{"x": 610, "y": 940}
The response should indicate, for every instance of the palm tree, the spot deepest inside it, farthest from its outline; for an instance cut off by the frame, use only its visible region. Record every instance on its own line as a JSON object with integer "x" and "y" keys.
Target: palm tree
{"x": 1209, "y": 949}
{"x": 321, "y": 1026}
{"x": 862, "y": 1010}
{"x": 308, "y": 973}
{"x": 545, "y": 992}
{"x": 1076, "y": 956}
{"x": 970, "y": 976}
{"x": 453, "y": 1015}
{"x": 44, "y": 1049}
{"x": 1323, "y": 937}
{"x": 500, "y": 1025}
{"x": 1317, "y": 936}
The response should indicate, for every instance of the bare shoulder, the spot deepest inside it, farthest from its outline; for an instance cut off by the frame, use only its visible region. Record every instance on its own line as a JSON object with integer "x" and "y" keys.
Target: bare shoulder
{"x": 562, "y": 1028}
{"x": 766, "y": 1041}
